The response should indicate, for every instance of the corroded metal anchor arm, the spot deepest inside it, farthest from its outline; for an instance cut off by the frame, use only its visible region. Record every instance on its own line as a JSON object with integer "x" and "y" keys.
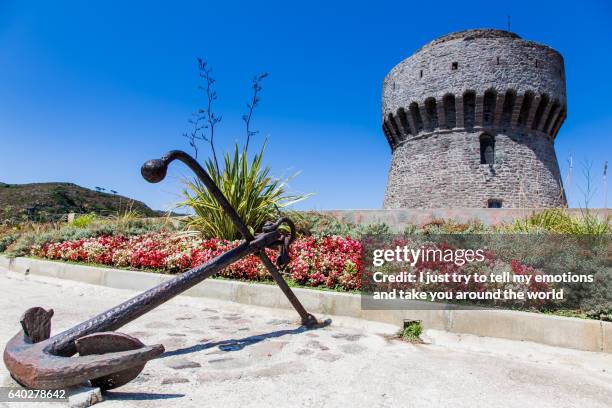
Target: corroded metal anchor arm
{"x": 109, "y": 359}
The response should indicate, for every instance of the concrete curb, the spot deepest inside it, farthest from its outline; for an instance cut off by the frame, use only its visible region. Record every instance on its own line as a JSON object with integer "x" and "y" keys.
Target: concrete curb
{"x": 581, "y": 334}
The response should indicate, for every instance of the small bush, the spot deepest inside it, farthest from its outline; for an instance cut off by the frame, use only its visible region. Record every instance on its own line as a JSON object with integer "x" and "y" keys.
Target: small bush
{"x": 410, "y": 229}
{"x": 375, "y": 229}
{"x": 25, "y": 241}
{"x": 320, "y": 225}
{"x": 411, "y": 332}
{"x": 19, "y": 241}
{"x": 7, "y": 240}
{"x": 601, "y": 312}
{"x": 83, "y": 221}
{"x": 560, "y": 221}
{"x": 454, "y": 227}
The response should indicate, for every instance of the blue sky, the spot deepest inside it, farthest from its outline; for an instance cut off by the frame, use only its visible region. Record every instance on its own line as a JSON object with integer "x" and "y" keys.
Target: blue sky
{"x": 90, "y": 90}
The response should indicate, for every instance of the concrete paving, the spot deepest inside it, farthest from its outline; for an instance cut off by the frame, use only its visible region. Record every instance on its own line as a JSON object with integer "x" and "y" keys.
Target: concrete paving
{"x": 223, "y": 354}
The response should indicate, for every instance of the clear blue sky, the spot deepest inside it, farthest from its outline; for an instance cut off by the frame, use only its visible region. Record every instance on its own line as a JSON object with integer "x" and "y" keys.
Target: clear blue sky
{"x": 90, "y": 90}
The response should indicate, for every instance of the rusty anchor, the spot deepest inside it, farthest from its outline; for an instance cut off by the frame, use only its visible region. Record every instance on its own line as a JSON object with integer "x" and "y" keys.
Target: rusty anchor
{"x": 109, "y": 359}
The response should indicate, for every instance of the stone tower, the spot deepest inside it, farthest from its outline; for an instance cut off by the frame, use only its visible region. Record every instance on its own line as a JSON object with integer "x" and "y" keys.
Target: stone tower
{"x": 471, "y": 119}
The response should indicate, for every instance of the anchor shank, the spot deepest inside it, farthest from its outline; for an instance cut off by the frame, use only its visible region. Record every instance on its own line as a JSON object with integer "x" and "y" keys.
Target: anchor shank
{"x": 63, "y": 344}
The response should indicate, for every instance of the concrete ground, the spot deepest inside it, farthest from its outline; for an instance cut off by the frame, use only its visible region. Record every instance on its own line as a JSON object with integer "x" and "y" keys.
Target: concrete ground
{"x": 222, "y": 354}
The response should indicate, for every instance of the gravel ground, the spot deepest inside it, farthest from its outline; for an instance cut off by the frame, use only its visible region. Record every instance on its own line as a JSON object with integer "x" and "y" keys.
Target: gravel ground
{"x": 222, "y": 354}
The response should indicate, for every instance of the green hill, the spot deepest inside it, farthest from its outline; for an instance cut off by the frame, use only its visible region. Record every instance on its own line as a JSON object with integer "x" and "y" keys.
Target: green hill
{"x": 51, "y": 201}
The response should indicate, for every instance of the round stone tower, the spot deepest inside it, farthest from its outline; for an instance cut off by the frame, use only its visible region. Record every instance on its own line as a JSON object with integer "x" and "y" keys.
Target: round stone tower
{"x": 471, "y": 119}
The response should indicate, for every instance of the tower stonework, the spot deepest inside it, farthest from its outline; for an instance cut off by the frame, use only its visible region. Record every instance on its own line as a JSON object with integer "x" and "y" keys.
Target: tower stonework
{"x": 471, "y": 119}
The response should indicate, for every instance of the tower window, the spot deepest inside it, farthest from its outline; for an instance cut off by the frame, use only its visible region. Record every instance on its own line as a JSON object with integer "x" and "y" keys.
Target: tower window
{"x": 454, "y": 66}
{"x": 497, "y": 60}
{"x": 487, "y": 149}
{"x": 421, "y": 74}
{"x": 492, "y": 203}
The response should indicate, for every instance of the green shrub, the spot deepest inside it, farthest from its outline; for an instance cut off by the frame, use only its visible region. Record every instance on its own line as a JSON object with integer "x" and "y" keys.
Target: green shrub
{"x": 380, "y": 228}
{"x": 412, "y": 331}
{"x": 25, "y": 241}
{"x": 560, "y": 221}
{"x": 320, "y": 224}
{"x": 6, "y": 241}
{"x": 83, "y": 221}
{"x": 601, "y": 312}
{"x": 19, "y": 243}
{"x": 454, "y": 227}
{"x": 129, "y": 226}
{"x": 139, "y": 228}
{"x": 249, "y": 188}
{"x": 410, "y": 229}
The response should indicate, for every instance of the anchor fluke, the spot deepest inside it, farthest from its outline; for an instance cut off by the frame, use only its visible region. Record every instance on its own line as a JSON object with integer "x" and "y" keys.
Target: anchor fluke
{"x": 111, "y": 342}
{"x": 33, "y": 366}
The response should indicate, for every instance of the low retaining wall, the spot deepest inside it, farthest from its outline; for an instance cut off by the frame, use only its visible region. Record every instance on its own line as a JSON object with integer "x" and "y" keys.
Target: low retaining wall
{"x": 399, "y": 218}
{"x": 581, "y": 334}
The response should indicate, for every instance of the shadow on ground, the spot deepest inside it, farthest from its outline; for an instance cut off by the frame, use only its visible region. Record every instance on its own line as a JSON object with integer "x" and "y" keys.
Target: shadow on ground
{"x": 139, "y": 396}
{"x": 239, "y": 344}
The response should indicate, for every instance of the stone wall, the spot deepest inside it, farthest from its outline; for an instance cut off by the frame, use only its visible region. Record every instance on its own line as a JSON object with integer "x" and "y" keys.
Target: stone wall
{"x": 444, "y": 171}
{"x": 398, "y": 219}
{"x": 438, "y": 103}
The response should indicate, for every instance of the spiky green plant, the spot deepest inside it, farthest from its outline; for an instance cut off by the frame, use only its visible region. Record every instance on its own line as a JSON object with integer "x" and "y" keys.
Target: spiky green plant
{"x": 249, "y": 188}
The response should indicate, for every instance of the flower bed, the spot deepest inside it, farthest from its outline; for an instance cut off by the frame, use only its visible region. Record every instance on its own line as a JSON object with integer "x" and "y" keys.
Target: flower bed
{"x": 333, "y": 262}
{"x": 340, "y": 263}
{"x": 330, "y": 261}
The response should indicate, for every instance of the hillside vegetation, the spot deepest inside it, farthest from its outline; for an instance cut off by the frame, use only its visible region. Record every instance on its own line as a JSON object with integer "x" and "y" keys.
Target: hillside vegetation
{"x": 51, "y": 201}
